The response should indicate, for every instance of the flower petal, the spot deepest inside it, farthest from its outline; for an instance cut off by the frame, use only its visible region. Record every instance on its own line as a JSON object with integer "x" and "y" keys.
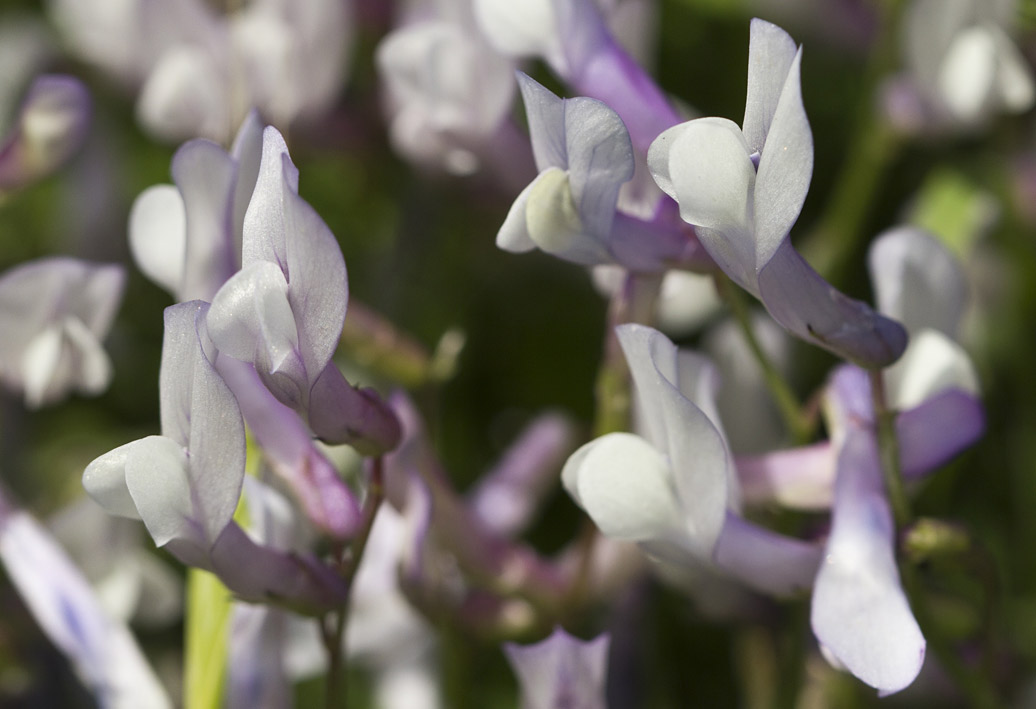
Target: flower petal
{"x": 561, "y": 671}
{"x": 771, "y": 52}
{"x": 936, "y": 431}
{"x": 158, "y": 236}
{"x": 932, "y": 363}
{"x": 768, "y": 562}
{"x": 860, "y": 613}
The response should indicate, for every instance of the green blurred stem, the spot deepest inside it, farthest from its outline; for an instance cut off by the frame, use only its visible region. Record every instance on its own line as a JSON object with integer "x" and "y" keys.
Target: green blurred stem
{"x": 634, "y": 302}
{"x": 798, "y": 423}
{"x": 888, "y": 449}
{"x": 335, "y": 624}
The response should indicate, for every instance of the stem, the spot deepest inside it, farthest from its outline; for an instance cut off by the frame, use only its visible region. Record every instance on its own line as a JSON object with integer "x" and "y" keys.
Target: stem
{"x": 798, "y": 423}
{"x": 888, "y": 447}
{"x": 333, "y": 627}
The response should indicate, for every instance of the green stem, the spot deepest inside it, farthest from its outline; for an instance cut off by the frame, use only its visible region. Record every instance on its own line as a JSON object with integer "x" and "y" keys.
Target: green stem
{"x": 888, "y": 448}
{"x": 799, "y": 425}
{"x": 333, "y": 628}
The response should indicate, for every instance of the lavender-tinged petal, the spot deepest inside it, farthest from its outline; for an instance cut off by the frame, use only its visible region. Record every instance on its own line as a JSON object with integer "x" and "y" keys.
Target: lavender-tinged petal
{"x": 600, "y": 160}
{"x": 596, "y": 66}
{"x": 199, "y": 412}
{"x": 764, "y": 560}
{"x": 933, "y": 433}
{"x": 247, "y": 152}
{"x": 807, "y": 305}
{"x": 99, "y": 295}
{"x": 860, "y": 613}
{"x": 342, "y": 413}
{"x": 506, "y": 498}
{"x": 513, "y": 235}
{"x": 771, "y": 52}
{"x": 251, "y": 319}
{"x": 206, "y": 177}
{"x": 702, "y": 471}
{"x": 561, "y": 671}
{"x": 158, "y": 479}
{"x": 102, "y": 652}
{"x": 785, "y": 170}
{"x": 51, "y": 127}
{"x": 158, "y": 236}
{"x": 255, "y": 667}
{"x": 933, "y": 363}
{"x": 917, "y": 280}
{"x": 799, "y": 478}
{"x": 324, "y": 496}
{"x": 264, "y": 225}
{"x": 850, "y": 400}
{"x": 547, "y": 124}
{"x": 626, "y": 487}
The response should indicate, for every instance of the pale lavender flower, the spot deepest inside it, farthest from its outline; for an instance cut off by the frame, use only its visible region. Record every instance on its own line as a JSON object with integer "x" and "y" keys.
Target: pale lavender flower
{"x": 198, "y": 71}
{"x": 561, "y": 672}
{"x": 283, "y": 311}
{"x": 572, "y": 210}
{"x": 51, "y": 126}
{"x": 675, "y": 491}
{"x": 448, "y": 93}
{"x": 743, "y": 189}
{"x": 184, "y": 485}
{"x": 54, "y": 312}
{"x": 963, "y": 64}
{"x": 102, "y": 651}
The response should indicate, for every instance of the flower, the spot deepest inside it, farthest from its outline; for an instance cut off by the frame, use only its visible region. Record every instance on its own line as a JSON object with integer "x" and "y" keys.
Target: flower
{"x": 54, "y": 312}
{"x": 743, "y": 189}
{"x": 561, "y": 671}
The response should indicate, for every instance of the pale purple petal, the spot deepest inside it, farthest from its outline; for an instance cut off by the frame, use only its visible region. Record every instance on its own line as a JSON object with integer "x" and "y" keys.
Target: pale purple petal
{"x": 798, "y": 478}
{"x": 342, "y": 413}
{"x": 803, "y": 302}
{"x": 51, "y": 127}
{"x": 771, "y": 52}
{"x": 934, "y": 432}
{"x": 860, "y": 613}
{"x": 785, "y": 169}
{"x": 247, "y": 152}
{"x": 255, "y": 665}
{"x": 561, "y": 671}
{"x": 766, "y": 561}
{"x": 917, "y": 280}
{"x": 102, "y": 651}
{"x": 290, "y": 451}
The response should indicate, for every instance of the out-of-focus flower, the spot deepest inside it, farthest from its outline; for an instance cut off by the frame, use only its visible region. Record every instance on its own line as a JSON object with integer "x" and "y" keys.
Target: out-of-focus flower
{"x": 963, "y": 64}
{"x": 54, "y": 312}
{"x": 102, "y": 651}
{"x": 686, "y": 300}
{"x": 199, "y": 71}
{"x": 743, "y": 189}
{"x": 561, "y": 671}
{"x": 187, "y": 238}
{"x": 448, "y": 93}
{"x": 50, "y": 128}
{"x": 184, "y": 485}
{"x": 570, "y": 210}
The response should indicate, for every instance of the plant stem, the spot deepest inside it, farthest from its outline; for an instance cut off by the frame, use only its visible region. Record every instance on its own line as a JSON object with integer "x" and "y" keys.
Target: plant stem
{"x": 888, "y": 447}
{"x": 333, "y": 627}
{"x": 799, "y": 424}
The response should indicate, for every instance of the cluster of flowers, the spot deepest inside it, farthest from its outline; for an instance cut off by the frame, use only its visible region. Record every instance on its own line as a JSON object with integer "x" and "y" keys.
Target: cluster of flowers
{"x": 621, "y": 182}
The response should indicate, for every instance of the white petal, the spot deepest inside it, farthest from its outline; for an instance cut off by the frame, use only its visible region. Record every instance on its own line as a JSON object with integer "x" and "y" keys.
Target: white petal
{"x": 553, "y": 222}
{"x": 932, "y": 363}
{"x": 917, "y": 281}
{"x": 771, "y": 51}
{"x": 546, "y": 116}
{"x": 968, "y": 72}
{"x": 157, "y": 480}
{"x": 514, "y": 235}
{"x": 44, "y": 373}
{"x": 520, "y": 29}
{"x": 105, "y": 481}
{"x": 626, "y": 487}
{"x": 860, "y": 613}
{"x": 1014, "y": 80}
{"x": 785, "y": 169}
{"x": 158, "y": 235}
{"x": 185, "y": 97}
